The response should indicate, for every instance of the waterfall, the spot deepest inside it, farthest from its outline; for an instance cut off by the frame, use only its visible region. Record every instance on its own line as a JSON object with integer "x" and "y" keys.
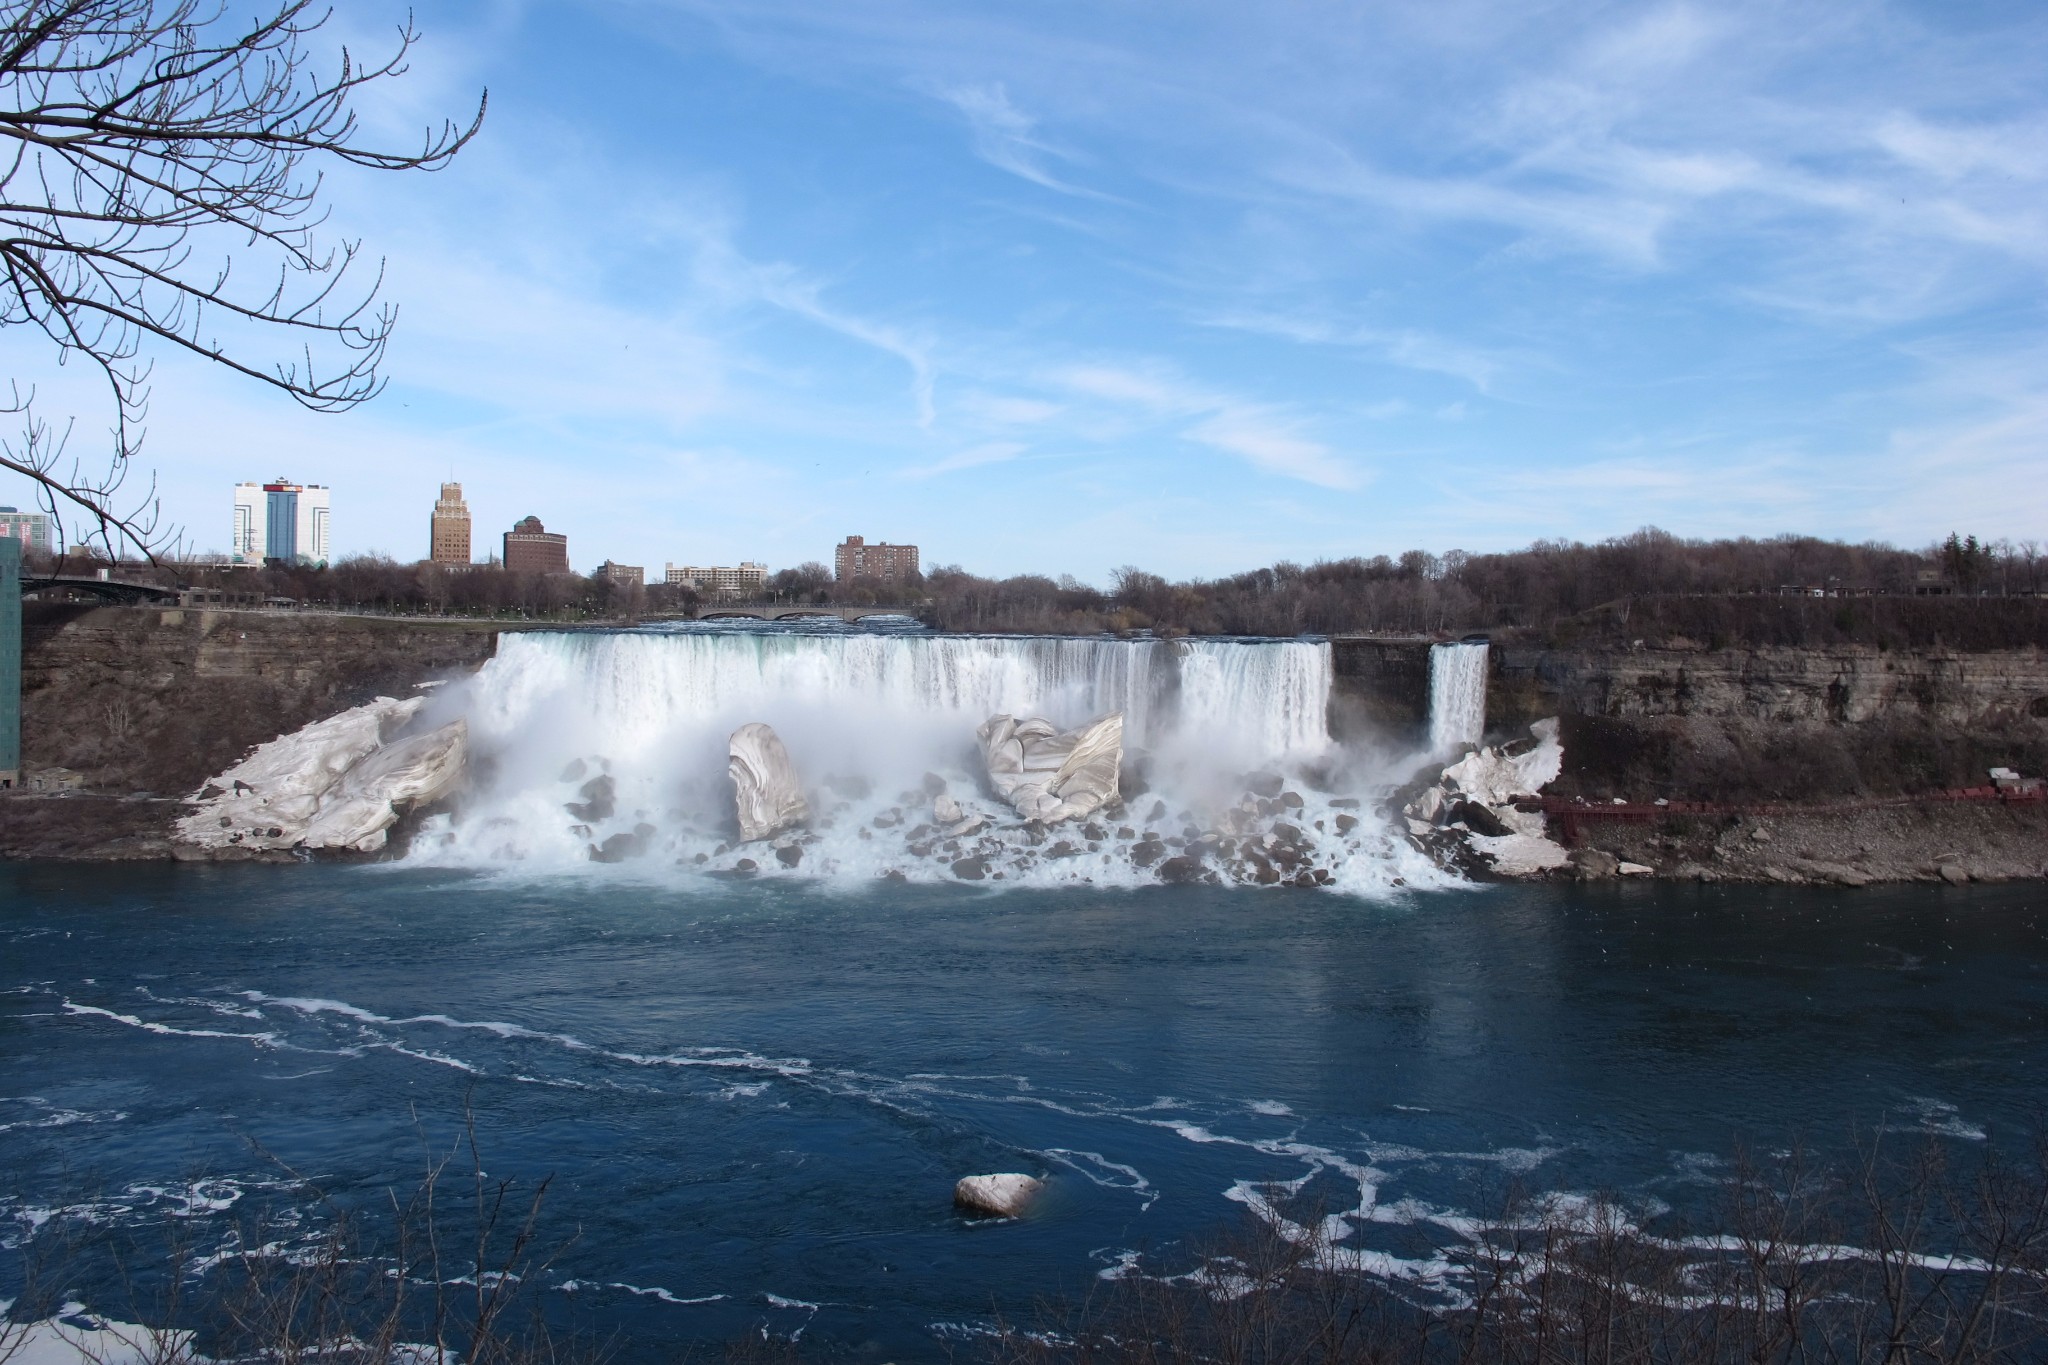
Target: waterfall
{"x": 645, "y": 684}
{"x": 611, "y": 746}
{"x": 1262, "y": 701}
{"x": 1457, "y": 694}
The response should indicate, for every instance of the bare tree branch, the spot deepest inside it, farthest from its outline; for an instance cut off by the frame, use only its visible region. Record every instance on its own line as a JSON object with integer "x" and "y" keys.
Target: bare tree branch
{"x": 142, "y": 143}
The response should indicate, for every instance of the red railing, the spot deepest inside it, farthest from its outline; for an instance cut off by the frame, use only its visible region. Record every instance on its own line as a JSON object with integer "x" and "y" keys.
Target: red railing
{"x": 1573, "y": 812}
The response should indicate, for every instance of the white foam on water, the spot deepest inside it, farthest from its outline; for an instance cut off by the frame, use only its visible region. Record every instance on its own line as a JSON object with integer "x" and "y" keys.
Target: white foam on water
{"x": 645, "y": 1292}
{"x": 166, "y": 1030}
{"x": 1100, "y": 1170}
{"x": 1942, "y": 1119}
{"x": 44, "y": 1114}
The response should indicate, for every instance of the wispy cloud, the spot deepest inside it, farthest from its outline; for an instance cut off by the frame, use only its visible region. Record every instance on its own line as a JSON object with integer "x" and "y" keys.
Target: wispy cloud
{"x": 783, "y": 286}
{"x": 1269, "y": 437}
{"x": 1007, "y": 138}
{"x": 1274, "y": 443}
{"x": 1410, "y": 348}
{"x": 990, "y": 452}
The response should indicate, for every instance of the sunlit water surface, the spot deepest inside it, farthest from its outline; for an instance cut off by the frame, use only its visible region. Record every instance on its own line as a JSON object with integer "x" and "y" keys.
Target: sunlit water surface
{"x": 755, "y": 1097}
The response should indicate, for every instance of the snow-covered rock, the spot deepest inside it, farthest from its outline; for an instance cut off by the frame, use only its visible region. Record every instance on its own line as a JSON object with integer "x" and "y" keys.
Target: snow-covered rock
{"x": 766, "y": 791}
{"x": 1515, "y": 842}
{"x": 1491, "y": 778}
{"x": 1520, "y": 855}
{"x": 1048, "y": 774}
{"x": 358, "y": 810}
{"x": 336, "y": 783}
{"x": 1006, "y": 1195}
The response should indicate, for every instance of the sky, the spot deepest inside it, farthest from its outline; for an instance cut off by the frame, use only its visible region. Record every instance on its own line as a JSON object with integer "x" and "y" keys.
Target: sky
{"x": 1064, "y": 285}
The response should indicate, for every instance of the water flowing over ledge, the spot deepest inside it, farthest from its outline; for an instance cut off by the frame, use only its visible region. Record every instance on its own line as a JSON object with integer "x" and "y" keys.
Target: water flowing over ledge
{"x": 1457, "y": 695}
{"x": 610, "y": 747}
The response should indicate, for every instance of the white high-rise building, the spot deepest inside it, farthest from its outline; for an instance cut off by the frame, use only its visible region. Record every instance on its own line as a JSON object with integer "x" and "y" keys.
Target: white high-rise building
{"x": 281, "y": 520}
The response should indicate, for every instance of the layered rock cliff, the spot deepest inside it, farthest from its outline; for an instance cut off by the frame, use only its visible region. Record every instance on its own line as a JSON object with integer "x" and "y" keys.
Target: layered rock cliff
{"x": 1776, "y": 722}
{"x": 125, "y": 700}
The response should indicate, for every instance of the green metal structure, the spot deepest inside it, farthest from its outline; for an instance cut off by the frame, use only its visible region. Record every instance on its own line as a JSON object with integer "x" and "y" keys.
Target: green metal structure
{"x": 10, "y": 662}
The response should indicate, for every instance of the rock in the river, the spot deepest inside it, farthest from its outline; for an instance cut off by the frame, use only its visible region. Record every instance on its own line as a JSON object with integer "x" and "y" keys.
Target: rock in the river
{"x": 1048, "y": 774}
{"x": 332, "y": 784}
{"x": 945, "y": 810}
{"x": 1004, "y": 1195}
{"x": 765, "y": 786}
{"x": 1592, "y": 864}
{"x": 600, "y": 797}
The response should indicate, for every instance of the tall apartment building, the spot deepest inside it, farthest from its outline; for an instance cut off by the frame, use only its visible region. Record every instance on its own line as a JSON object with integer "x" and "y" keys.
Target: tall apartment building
{"x": 448, "y": 536}
{"x": 746, "y": 579}
{"x": 531, "y": 548}
{"x": 281, "y": 520}
{"x": 32, "y": 529}
{"x": 885, "y": 563}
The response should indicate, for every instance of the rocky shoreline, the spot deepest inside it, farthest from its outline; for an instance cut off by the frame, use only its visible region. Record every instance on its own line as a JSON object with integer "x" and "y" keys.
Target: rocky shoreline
{"x": 1931, "y": 842}
{"x": 1934, "y": 843}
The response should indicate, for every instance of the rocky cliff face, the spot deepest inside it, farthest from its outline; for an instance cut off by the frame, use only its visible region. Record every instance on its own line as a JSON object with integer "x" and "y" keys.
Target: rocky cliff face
{"x": 131, "y": 700}
{"x": 1845, "y": 684}
{"x": 1777, "y": 721}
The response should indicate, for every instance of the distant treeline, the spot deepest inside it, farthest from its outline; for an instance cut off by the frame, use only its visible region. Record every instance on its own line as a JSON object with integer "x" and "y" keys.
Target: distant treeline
{"x": 374, "y": 583}
{"x": 1716, "y": 590}
{"x": 1792, "y": 590}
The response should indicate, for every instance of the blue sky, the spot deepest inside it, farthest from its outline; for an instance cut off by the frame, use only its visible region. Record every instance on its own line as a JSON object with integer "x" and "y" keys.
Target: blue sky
{"x": 1059, "y": 286}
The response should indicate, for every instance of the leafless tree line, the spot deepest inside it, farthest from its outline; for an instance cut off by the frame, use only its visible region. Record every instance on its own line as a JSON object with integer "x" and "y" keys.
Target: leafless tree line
{"x": 1645, "y": 585}
{"x": 1536, "y": 588}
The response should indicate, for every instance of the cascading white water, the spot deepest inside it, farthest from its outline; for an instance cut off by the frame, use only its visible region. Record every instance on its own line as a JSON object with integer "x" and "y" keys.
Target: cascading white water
{"x": 1457, "y": 694}
{"x": 1264, "y": 701}
{"x": 645, "y": 685}
{"x": 615, "y": 741}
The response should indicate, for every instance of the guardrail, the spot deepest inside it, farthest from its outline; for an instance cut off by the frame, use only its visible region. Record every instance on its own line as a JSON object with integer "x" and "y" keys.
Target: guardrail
{"x": 1574, "y": 812}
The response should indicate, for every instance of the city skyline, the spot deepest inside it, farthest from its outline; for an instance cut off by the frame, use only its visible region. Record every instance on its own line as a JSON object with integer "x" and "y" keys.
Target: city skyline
{"x": 1277, "y": 284}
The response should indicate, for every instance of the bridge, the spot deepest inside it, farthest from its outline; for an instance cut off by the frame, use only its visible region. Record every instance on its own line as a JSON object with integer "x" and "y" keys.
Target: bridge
{"x": 104, "y": 586}
{"x": 795, "y": 611}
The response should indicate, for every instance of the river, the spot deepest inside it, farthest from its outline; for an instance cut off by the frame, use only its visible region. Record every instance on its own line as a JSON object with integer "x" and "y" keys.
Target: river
{"x": 754, "y": 1096}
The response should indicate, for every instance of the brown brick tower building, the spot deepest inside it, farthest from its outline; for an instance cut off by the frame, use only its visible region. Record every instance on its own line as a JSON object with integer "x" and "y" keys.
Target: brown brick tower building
{"x": 885, "y": 563}
{"x": 449, "y": 540}
{"x": 532, "y": 548}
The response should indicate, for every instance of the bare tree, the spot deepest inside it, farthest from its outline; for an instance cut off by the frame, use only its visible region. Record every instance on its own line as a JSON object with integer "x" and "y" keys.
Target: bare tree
{"x": 143, "y": 145}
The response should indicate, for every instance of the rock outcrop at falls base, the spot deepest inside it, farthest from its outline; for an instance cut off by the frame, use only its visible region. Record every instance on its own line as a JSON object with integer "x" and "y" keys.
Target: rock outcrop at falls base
{"x": 766, "y": 791}
{"x": 340, "y": 783}
{"x": 1468, "y": 819}
{"x": 1049, "y": 775}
